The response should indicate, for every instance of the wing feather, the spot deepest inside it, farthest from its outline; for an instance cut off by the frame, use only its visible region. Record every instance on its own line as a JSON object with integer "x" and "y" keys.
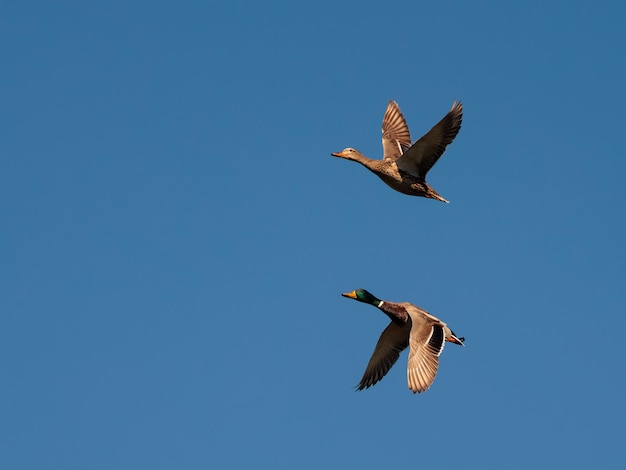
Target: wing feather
{"x": 424, "y": 153}
{"x": 396, "y": 136}
{"x": 393, "y": 340}
{"x": 426, "y": 343}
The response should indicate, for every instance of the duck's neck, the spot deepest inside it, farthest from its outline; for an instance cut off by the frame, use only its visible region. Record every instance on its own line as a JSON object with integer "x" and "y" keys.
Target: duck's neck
{"x": 371, "y": 299}
{"x": 359, "y": 157}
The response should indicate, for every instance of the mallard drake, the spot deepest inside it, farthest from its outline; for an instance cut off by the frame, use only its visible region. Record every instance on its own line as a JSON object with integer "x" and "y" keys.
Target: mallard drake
{"x": 404, "y": 166}
{"x": 410, "y": 326}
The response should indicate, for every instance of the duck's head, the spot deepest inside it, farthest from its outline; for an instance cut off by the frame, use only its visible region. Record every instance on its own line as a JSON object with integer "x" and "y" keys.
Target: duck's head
{"x": 362, "y": 296}
{"x": 348, "y": 153}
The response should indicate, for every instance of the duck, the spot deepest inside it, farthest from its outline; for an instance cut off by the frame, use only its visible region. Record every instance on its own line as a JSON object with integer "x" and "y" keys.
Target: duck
{"x": 404, "y": 166}
{"x": 411, "y": 326}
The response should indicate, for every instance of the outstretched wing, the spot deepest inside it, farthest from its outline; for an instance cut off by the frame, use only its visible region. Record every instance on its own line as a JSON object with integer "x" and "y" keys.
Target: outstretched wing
{"x": 426, "y": 344}
{"x": 396, "y": 136}
{"x": 426, "y": 151}
{"x": 391, "y": 343}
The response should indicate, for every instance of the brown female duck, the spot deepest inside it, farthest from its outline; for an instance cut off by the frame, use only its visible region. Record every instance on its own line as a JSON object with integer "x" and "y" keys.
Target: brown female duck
{"x": 410, "y": 326}
{"x": 404, "y": 166}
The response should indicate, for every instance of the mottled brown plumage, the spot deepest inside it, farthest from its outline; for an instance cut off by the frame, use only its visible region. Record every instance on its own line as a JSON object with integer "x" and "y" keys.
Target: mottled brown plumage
{"x": 410, "y": 326}
{"x": 404, "y": 166}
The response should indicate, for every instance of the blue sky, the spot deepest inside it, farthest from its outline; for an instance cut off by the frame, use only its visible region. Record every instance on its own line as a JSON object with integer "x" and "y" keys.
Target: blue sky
{"x": 175, "y": 234}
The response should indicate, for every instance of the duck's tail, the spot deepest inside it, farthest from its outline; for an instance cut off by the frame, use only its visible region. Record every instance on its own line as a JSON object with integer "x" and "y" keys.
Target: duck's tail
{"x": 433, "y": 195}
{"x": 453, "y": 339}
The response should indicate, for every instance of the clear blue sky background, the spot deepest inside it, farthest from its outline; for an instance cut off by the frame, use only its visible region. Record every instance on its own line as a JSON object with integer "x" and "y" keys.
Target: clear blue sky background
{"x": 175, "y": 235}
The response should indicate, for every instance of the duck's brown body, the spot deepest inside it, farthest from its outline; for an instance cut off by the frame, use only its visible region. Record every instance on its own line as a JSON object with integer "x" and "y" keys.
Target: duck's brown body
{"x": 393, "y": 177}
